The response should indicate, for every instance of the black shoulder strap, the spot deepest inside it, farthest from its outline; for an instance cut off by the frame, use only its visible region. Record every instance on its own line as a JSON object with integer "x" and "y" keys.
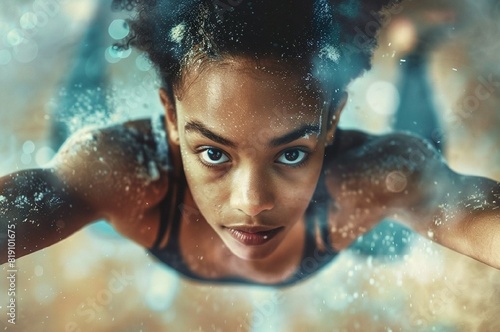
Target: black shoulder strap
{"x": 165, "y": 208}
{"x": 177, "y": 207}
{"x": 167, "y": 204}
{"x": 318, "y": 214}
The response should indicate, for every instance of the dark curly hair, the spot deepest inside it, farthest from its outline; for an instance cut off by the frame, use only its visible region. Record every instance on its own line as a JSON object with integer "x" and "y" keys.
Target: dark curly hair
{"x": 325, "y": 33}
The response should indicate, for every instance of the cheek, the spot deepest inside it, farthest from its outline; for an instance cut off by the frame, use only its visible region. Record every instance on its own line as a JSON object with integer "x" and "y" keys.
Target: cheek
{"x": 295, "y": 192}
{"x": 298, "y": 195}
{"x": 209, "y": 196}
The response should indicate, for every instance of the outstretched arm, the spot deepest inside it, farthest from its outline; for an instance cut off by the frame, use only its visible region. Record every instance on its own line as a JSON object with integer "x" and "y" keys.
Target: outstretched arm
{"x": 462, "y": 214}
{"x": 110, "y": 173}
{"x": 37, "y": 209}
{"x": 400, "y": 176}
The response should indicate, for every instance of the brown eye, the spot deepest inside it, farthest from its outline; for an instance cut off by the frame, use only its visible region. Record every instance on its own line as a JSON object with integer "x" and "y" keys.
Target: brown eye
{"x": 292, "y": 157}
{"x": 213, "y": 156}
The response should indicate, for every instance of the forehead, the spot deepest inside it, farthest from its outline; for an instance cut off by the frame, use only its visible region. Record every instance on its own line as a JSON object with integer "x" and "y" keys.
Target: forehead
{"x": 244, "y": 89}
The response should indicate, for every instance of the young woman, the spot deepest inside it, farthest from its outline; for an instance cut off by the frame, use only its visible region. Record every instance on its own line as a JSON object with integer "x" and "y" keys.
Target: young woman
{"x": 246, "y": 178}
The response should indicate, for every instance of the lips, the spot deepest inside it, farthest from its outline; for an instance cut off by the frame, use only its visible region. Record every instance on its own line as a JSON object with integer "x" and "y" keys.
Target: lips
{"x": 253, "y": 236}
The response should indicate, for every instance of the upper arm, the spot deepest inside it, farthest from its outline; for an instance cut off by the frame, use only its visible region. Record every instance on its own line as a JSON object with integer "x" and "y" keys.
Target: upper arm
{"x": 115, "y": 171}
{"x": 419, "y": 189}
{"x": 111, "y": 173}
{"x": 458, "y": 211}
{"x": 402, "y": 177}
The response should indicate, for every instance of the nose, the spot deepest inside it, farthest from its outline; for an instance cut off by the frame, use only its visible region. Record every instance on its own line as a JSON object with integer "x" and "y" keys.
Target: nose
{"x": 252, "y": 192}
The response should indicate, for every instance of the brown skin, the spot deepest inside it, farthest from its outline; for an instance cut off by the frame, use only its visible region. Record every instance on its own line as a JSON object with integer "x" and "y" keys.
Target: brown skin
{"x": 252, "y": 185}
{"x": 251, "y": 181}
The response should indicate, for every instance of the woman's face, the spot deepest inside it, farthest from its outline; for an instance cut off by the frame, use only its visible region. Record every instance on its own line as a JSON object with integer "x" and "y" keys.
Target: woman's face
{"x": 252, "y": 145}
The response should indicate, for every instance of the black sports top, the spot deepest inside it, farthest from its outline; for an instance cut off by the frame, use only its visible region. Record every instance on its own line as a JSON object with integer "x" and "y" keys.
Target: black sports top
{"x": 313, "y": 258}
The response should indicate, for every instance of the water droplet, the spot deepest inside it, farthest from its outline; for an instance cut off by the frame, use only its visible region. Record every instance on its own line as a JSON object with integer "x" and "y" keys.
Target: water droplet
{"x": 28, "y": 147}
{"x": 14, "y": 37}
{"x": 382, "y": 97}
{"x": 28, "y": 21}
{"x": 395, "y": 182}
{"x": 44, "y": 155}
{"x": 118, "y": 29}
{"x": 142, "y": 63}
{"x": 109, "y": 56}
{"x": 38, "y": 270}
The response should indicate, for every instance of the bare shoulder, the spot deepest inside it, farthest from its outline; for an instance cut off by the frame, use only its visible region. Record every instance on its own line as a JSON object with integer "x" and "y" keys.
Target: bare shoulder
{"x": 353, "y": 142}
{"x": 346, "y": 140}
{"x": 371, "y": 177}
{"x": 117, "y": 170}
{"x": 371, "y": 161}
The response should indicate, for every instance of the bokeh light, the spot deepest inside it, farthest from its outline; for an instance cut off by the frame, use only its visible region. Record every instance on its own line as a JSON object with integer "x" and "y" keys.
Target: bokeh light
{"x": 118, "y": 29}
{"x": 28, "y": 21}
{"x": 162, "y": 289}
{"x": 44, "y": 155}
{"x": 14, "y": 37}
{"x": 28, "y": 147}
{"x": 383, "y": 97}
{"x": 114, "y": 54}
{"x": 143, "y": 63}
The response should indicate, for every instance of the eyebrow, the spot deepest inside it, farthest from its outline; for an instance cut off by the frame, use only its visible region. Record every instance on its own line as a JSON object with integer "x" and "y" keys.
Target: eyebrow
{"x": 307, "y": 129}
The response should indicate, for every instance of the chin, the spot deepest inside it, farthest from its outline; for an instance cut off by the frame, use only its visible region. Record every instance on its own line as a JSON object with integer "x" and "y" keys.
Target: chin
{"x": 251, "y": 253}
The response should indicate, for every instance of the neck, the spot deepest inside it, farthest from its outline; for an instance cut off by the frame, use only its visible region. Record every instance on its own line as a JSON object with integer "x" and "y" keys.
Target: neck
{"x": 175, "y": 154}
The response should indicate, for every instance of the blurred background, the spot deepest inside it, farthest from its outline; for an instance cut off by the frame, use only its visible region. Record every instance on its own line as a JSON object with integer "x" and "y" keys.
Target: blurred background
{"x": 436, "y": 72}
